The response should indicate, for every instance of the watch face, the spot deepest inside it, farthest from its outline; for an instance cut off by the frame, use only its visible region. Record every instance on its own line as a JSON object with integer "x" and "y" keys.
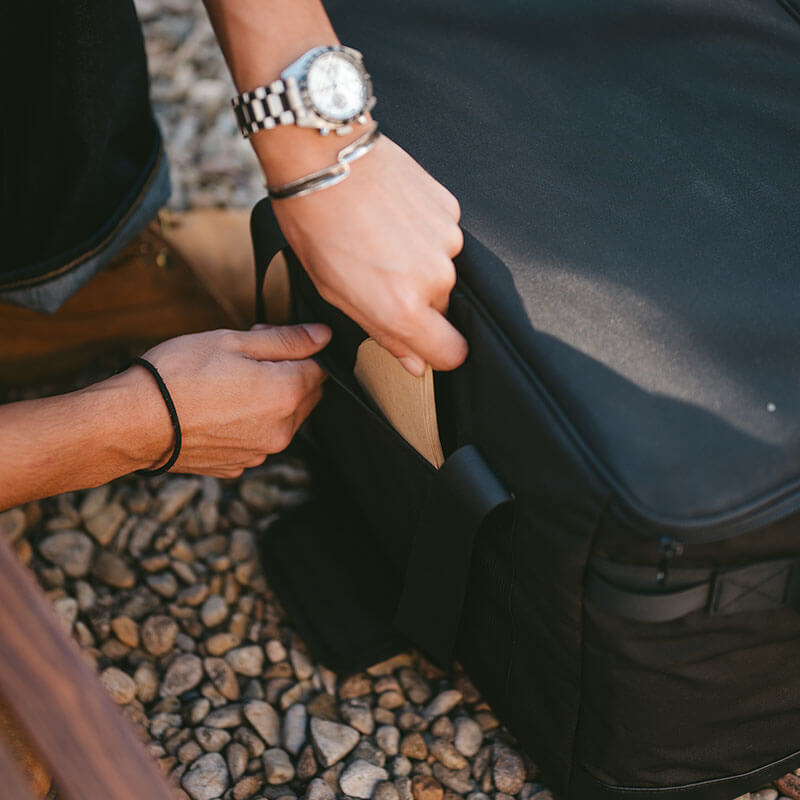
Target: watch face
{"x": 337, "y": 86}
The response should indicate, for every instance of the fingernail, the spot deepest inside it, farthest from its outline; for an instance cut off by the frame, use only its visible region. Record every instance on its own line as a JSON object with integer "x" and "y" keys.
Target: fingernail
{"x": 415, "y": 365}
{"x": 320, "y": 334}
{"x": 260, "y": 326}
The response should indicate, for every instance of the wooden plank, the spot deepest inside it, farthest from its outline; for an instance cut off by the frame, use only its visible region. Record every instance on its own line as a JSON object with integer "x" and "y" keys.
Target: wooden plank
{"x": 13, "y": 783}
{"x": 58, "y": 700}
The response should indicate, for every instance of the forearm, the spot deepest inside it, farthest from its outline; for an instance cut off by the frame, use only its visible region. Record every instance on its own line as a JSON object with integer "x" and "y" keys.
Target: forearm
{"x": 81, "y": 439}
{"x": 259, "y": 39}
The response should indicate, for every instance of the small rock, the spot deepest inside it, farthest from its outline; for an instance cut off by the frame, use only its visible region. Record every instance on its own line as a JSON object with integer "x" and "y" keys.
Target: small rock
{"x": 355, "y": 686}
{"x": 426, "y": 788}
{"x": 413, "y": 746}
{"x": 112, "y": 570}
{"x": 247, "y": 787}
{"x": 508, "y": 772}
{"x": 415, "y": 686}
{"x": 66, "y": 609}
{"x": 188, "y": 752}
{"x": 319, "y": 790}
{"x": 211, "y": 739}
{"x": 246, "y": 660}
{"x": 277, "y": 766}
{"x": 332, "y": 741}
{"x": 207, "y": 778}
{"x": 306, "y": 764}
{"x": 223, "y": 678}
{"x": 386, "y": 791}
{"x": 358, "y": 714}
{"x": 360, "y": 778}
{"x": 105, "y": 523}
{"x": 258, "y": 495}
{"x": 146, "y": 680}
{"x": 94, "y": 500}
{"x": 12, "y": 524}
{"x": 119, "y": 685}
{"x": 403, "y": 786}
{"x": 242, "y": 546}
{"x": 264, "y": 718}
{"x": 174, "y": 495}
{"x": 158, "y": 634}
{"x": 303, "y": 668}
{"x": 164, "y": 584}
{"x": 294, "y": 728}
{"x": 459, "y": 781}
{"x": 214, "y": 611}
{"x": 443, "y": 703}
{"x": 220, "y": 643}
{"x": 468, "y": 736}
{"x": 70, "y": 550}
{"x": 401, "y": 766}
{"x": 225, "y": 717}
{"x": 185, "y": 672}
{"x": 276, "y": 652}
{"x": 447, "y": 754}
{"x": 141, "y": 536}
{"x": 236, "y": 756}
{"x": 126, "y": 630}
{"x": 388, "y": 739}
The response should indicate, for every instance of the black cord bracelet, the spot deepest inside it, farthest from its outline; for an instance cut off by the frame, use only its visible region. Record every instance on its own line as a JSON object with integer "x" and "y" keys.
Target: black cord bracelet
{"x": 173, "y": 417}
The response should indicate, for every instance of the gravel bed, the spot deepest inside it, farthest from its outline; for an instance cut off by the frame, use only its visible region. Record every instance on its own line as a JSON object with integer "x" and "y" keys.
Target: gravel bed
{"x": 158, "y": 579}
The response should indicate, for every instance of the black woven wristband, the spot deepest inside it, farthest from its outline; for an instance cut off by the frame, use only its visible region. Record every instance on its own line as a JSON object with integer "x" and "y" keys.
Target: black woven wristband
{"x": 173, "y": 417}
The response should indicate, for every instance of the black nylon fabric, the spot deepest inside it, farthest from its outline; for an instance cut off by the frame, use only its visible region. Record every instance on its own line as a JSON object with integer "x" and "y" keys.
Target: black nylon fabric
{"x": 79, "y": 139}
{"x": 635, "y": 166}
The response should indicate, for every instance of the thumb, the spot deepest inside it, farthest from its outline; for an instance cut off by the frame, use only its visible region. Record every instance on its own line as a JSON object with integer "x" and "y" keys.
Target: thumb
{"x": 285, "y": 342}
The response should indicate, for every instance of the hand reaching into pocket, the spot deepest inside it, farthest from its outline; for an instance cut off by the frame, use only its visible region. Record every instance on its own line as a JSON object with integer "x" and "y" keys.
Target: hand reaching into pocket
{"x": 379, "y": 246}
{"x": 240, "y": 395}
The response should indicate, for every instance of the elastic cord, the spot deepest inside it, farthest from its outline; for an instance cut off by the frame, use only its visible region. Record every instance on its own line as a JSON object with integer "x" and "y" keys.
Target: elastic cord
{"x": 173, "y": 417}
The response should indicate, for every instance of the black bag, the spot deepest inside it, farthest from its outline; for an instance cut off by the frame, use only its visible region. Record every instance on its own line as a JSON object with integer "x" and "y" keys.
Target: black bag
{"x": 611, "y": 547}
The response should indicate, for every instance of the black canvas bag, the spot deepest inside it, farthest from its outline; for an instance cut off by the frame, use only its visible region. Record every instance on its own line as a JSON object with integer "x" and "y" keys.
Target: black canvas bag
{"x": 611, "y": 548}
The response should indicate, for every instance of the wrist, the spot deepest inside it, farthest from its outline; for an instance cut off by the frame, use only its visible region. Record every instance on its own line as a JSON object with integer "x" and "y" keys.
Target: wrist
{"x": 138, "y": 431}
{"x": 290, "y": 152}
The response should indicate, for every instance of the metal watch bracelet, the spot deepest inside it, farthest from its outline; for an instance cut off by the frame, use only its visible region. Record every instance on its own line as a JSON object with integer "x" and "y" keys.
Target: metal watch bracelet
{"x": 329, "y": 176}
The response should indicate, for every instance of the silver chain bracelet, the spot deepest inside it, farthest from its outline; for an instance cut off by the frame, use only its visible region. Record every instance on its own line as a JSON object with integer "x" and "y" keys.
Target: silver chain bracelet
{"x": 329, "y": 176}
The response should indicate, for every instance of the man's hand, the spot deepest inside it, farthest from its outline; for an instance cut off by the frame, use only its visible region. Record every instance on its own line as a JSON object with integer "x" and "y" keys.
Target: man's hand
{"x": 379, "y": 246}
{"x": 240, "y": 395}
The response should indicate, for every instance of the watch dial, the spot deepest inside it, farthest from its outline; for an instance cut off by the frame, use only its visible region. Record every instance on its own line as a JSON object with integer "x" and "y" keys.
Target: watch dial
{"x": 336, "y": 87}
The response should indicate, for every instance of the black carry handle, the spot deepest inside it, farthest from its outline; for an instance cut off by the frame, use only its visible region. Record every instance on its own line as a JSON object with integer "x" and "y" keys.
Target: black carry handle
{"x": 463, "y": 493}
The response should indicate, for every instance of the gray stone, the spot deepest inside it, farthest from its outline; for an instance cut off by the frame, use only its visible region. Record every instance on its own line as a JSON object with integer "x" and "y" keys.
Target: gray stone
{"x": 214, "y": 611}
{"x": 468, "y": 736}
{"x": 332, "y": 741}
{"x": 357, "y": 712}
{"x": 158, "y": 634}
{"x": 146, "y": 680}
{"x": 264, "y": 718}
{"x": 360, "y": 778}
{"x": 119, "y": 685}
{"x": 185, "y": 672}
{"x": 70, "y": 550}
{"x": 207, "y": 778}
{"x": 401, "y": 766}
{"x": 174, "y": 495}
{"x": 459, "y": 781}
{"x": 112, "y": 570}
{"x": 415, "y": 686}
{"x": 242, "y": 546}
{"x": 388, "y": 739}
{"x": 225, "y": 717}
{"x": 164, "y": 584}
{"x": 12, "y": 524}
{"x": 294, "y": 728}
{"x": 386, "y": 791}
{"x": 508, "y": 771}
{"x": 94, "y": 500}
{"x": 443, "y": 703}
{"x": 211, "y": 739}
{"x": 236, "y": 756}
{"x": 445, "y": 752}
{"x": 105, "y": 523}
{"x": 319, "y": 790}
{"x": 277, "y": 766}
{"x": 223, "y": 677}
{"x": 141, "y": 536}
{"x": 247, "y": 660}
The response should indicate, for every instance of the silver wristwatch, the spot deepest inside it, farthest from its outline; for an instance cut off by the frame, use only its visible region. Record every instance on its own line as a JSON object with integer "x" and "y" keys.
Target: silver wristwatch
{"x": 327, "y": 88}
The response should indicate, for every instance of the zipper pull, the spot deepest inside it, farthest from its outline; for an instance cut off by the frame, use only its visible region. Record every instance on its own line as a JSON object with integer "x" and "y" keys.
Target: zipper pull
{"x": 670, "y": 548}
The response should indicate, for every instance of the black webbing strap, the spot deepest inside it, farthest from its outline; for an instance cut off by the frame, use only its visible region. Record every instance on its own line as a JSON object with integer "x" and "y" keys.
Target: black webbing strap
{"x": 764, "y": 586}
{"x": 463, "y": 493}
{"x": 268, "y": 239}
